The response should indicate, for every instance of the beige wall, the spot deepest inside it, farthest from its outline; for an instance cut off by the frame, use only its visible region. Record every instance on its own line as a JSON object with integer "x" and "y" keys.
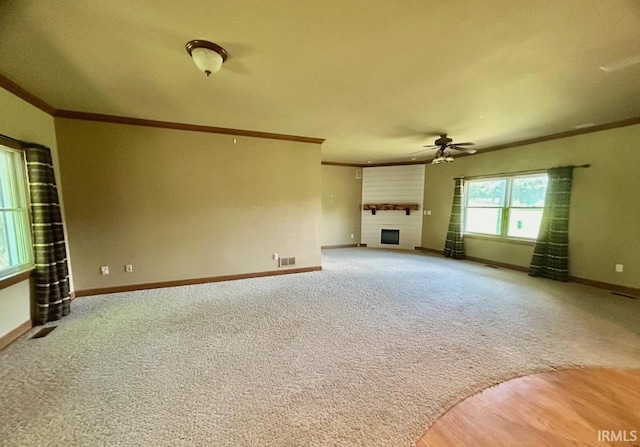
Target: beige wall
{"x": 15, "y": 306}
{"x": 21, "y": 120}
{"x": 180, "y": 205}
{"x": 341, "y": 200}
{"x": 605, "y": 205}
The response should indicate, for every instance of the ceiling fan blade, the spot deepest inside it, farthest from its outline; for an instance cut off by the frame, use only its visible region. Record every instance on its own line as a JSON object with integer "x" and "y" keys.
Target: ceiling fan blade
{"x": 420, "y": 151}
{"x": 468, "y": 150}
{"x": 464, "y": 144}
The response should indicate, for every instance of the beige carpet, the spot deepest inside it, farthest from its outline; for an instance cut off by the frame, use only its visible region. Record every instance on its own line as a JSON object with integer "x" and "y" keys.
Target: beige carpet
{"x": 369, "y": 351}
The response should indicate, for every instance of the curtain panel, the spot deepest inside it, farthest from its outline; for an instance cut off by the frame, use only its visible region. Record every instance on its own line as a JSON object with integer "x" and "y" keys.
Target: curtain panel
{"x": 454, "y": 246}
{"x": 51, "y": 270}
{"x": 551, "y": 253}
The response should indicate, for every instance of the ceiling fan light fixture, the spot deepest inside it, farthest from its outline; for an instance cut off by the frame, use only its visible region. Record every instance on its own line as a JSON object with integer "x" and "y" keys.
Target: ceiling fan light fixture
{"x": 442, "y": 157}
{"x": 444, "y": 144}
{"x": 207, "y": 56}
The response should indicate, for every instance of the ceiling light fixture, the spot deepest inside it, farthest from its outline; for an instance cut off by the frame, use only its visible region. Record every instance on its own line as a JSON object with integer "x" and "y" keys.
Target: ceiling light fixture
{"x": 442, "y": 156}
{"x": 207, "y": 56}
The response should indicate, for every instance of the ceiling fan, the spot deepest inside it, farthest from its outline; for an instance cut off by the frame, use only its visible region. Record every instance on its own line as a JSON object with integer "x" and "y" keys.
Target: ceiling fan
{"x": 444, "y": 144}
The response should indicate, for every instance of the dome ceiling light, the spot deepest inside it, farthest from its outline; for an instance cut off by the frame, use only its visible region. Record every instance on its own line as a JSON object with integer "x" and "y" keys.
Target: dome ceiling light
{"x": 207, "y": 56}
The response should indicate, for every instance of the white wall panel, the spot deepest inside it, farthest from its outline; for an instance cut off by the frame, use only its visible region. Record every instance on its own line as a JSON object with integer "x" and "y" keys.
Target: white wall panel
{"x": 393, "y": 184}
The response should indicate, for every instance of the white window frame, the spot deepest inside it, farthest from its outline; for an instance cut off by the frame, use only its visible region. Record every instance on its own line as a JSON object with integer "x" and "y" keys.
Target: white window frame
{"x": 505, "y": 208}
{"x": 21, "y": 236}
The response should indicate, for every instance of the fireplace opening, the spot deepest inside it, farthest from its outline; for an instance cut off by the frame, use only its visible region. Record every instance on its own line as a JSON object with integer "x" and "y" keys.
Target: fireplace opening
{"x": 390, "y": 237}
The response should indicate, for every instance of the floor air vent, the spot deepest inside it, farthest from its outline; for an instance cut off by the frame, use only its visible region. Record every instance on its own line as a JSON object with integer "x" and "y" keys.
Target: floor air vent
{"x": 287, "y": 262}
{"x": 43, "y": 332}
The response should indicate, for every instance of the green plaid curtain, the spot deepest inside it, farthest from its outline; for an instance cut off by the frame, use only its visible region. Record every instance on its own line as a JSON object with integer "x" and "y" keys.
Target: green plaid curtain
{"x": 551, "y": 253}
{"x": 51, "y": 271}
{"x": 454, "y": 246}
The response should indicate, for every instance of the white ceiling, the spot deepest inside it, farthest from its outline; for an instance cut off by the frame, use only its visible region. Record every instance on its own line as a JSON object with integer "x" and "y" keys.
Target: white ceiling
{"x": 377, "y": 79}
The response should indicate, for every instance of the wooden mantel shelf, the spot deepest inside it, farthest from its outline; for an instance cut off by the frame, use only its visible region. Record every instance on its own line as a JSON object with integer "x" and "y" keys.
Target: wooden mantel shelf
{"x": 406, "y": 207}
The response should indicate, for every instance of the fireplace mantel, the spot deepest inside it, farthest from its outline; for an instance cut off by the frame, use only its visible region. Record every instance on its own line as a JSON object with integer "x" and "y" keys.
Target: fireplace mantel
{"x": 406, "y": 207}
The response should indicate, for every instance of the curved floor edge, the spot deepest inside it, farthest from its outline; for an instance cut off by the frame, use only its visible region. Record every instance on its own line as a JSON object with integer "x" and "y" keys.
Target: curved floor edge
{"x": 585, "y": 406}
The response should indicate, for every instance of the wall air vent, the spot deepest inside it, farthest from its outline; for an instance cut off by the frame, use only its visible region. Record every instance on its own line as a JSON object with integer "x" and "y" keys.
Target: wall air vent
{"x": 287, "y": 262}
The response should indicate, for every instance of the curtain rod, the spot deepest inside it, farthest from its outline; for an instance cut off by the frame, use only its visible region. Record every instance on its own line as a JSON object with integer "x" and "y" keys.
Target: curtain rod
{"x": 11, "y": 142}
{"x": 14, "y": 143}
{"x": 535, "y": 171}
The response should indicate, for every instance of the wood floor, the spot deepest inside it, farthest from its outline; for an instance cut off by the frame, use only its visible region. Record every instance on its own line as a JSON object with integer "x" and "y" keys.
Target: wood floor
{"x": 578, "y": 407}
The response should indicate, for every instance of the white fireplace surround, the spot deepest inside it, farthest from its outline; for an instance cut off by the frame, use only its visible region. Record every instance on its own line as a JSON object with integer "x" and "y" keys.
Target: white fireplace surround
{"x": 393, "y": 184}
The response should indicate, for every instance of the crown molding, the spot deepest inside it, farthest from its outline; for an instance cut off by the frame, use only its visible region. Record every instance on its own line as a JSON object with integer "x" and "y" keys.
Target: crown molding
{"x": 554, "y": 136}
{"x": 374, "y": 165}
{"x": 21, "y": 93}
{"x": 559, "y": 135}
{"x": 86, "y": 116}
{"x": 397, "y": 163}
{"x": 349, "y": 165}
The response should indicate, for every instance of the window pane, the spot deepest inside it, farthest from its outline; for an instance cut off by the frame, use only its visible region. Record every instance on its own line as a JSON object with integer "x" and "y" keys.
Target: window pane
{"x": 524, "y": 223}
{"x": 5, "y": 179}
{"x": 486, "y": 193}
{"x": 14, "y": 248}
{"x": 529, "y": 191}
{"x": 5, "y": 262}
{"x": 483, "y": 220}
{"x": 15, "y": 241}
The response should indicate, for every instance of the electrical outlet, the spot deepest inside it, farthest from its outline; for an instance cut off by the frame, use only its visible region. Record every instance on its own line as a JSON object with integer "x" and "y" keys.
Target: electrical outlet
{"x": 128, "y": 268}
{"x": 352, "y": 236}
{"x": 428, "y": 212}
{"x": 104, "y": 270}
{"x": 619, "y": 268}
{"x": 276, "y": 256}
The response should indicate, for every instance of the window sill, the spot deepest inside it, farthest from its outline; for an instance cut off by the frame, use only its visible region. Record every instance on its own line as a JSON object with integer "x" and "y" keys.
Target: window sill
{"x": 15, "y": 278}
{"x": 507, "y": 240}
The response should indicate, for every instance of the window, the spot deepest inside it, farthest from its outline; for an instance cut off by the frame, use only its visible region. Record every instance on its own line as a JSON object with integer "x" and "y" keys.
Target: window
{"x": 15, "y": 237}
{"x": 505, "y": 206}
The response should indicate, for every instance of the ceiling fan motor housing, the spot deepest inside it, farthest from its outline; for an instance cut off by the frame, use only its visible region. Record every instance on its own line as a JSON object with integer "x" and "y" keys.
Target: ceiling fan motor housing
{"x": 443, "y": 140}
